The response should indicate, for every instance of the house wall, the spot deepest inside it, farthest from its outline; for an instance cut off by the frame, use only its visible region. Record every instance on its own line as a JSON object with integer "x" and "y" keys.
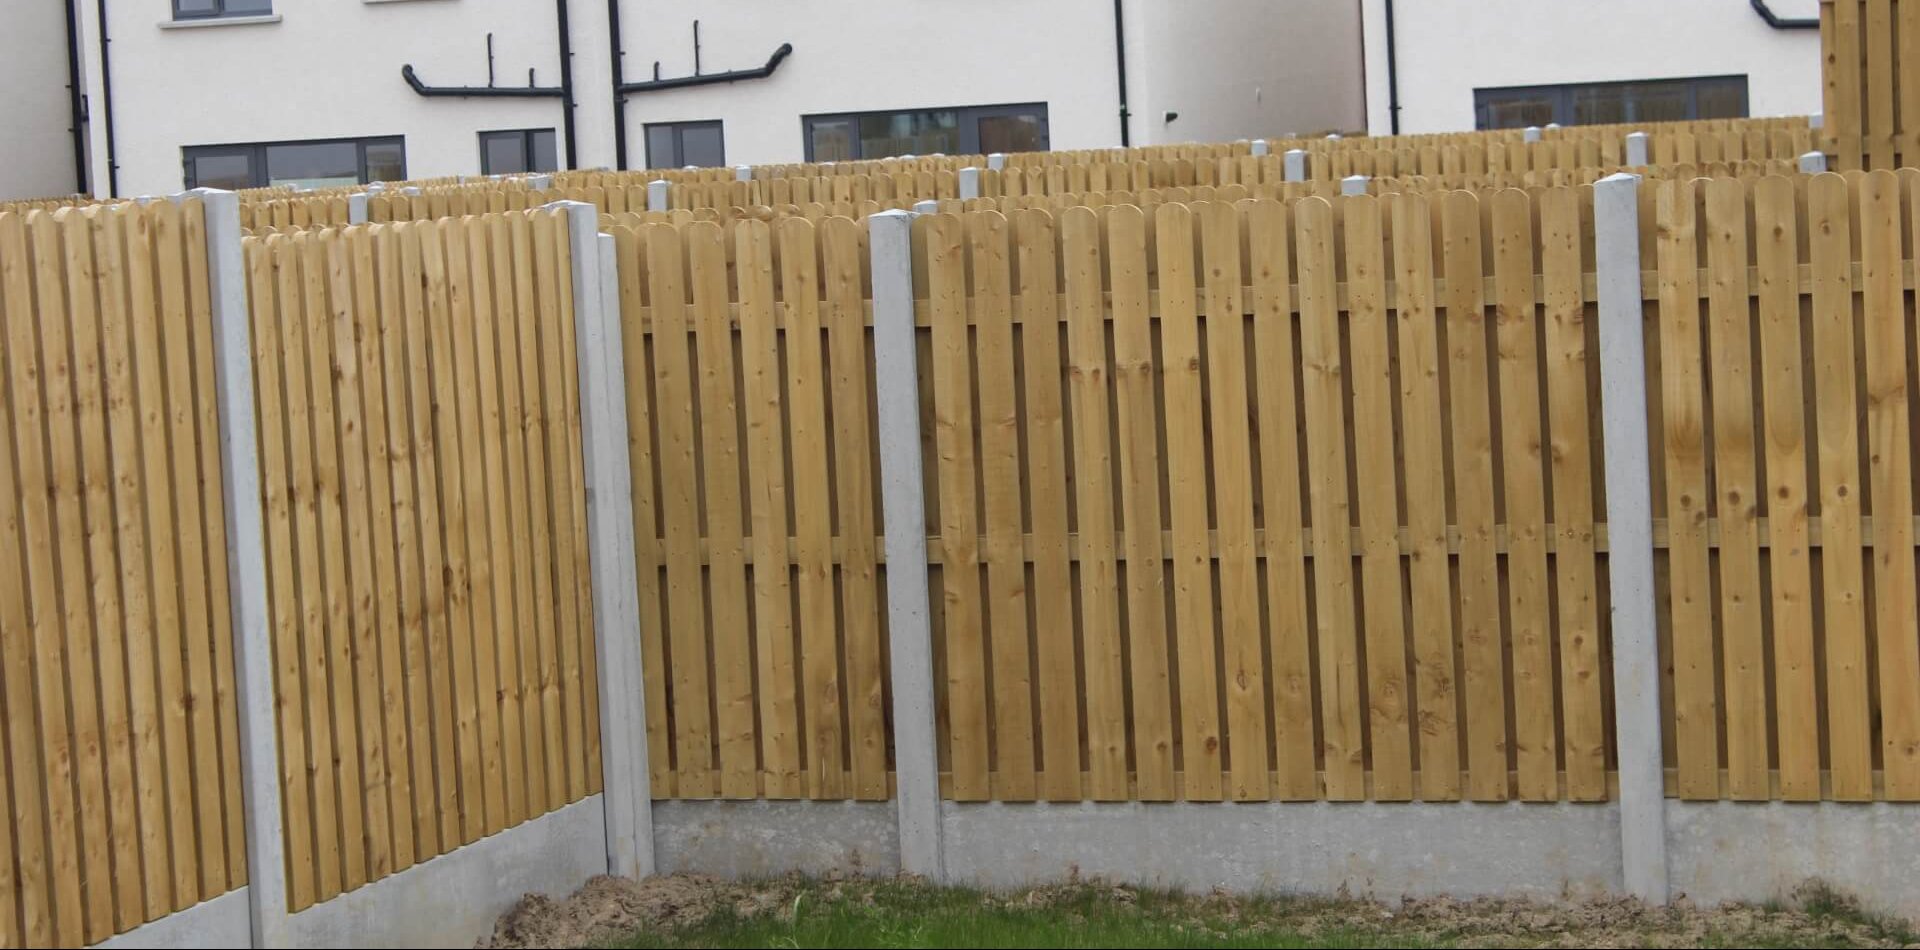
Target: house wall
{"x": 1449, "y": 48}
{"x": 36, "y": 153}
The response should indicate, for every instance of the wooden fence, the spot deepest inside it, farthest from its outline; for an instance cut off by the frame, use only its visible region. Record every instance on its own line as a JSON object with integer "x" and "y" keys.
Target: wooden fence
{"x": 425, "y": 514}
{"x": 1781, "y": 359}
{"x": 755, "y": 510}
{"x": 1870, "y": 84}
{"x": 118, "y": 722}
{"x": 1283, "y": 480}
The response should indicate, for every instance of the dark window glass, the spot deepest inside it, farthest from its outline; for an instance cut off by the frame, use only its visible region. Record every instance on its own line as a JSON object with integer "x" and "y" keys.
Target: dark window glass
{"x": 830, "y": 140}
{"x": 227, "y": 170}
{"x": 315, "y": 165}
{"x": 203, "y": 9}
{"x": 956, "y": 131}
{"x": 1653, "y": 100}
{"x": 679, "y": 144}
{"x": 318, "y": 164}
{"x": 516, "y": 152}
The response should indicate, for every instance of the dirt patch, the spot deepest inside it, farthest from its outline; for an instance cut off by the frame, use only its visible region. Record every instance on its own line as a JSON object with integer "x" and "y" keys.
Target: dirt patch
{"x": 607, "y": 909}
{"x": 609, "y": 906}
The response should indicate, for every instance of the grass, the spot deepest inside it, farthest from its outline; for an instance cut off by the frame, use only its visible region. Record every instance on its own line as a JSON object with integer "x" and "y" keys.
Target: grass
{"x": 797, "y": 913}
{"x": 907, "y": 915}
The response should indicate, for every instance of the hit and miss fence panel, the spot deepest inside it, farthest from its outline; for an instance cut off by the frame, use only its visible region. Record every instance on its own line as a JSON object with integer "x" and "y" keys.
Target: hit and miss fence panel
{"x": 120, "y": 801}
{"x": 756, "y": 513}
{"x": 426, "y": 542}
{"x": 1266, "y": 501}
{"x": 1870, "y": 71}
{"x": 1782, "y": 371}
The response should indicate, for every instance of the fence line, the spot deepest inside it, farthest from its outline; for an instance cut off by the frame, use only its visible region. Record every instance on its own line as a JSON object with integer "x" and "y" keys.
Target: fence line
{"x": 119, "y": 710}
{"x": 420, "y": 443}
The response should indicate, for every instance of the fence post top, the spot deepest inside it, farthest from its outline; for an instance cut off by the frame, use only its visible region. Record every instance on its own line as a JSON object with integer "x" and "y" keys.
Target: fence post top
{"x": 1618, "y": 180}
{"x": 568, "y": 206}
{"x": 893, "y": 214}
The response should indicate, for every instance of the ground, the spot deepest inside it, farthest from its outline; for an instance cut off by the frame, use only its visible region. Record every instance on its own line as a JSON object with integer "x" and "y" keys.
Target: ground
{"x": 697, "y": 911}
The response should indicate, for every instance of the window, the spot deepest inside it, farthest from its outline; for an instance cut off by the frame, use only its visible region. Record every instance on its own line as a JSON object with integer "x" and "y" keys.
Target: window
{"x": 679, "y": 144}
{"x": 517, "y": 152}
{"x": 1606, "y": 103}
{"x": 209, "y": 9}
{"x": 955, "y": 131}
{"x": 316, "y": 164}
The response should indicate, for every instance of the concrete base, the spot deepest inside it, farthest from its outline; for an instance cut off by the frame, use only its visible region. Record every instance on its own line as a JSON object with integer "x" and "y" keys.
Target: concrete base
{"x": 1719, "y": 852}
{"x": 454, "y": 899}
{"x": 763, "y": 839}
{"x": 219, "y": 922}
{"x": 1365, "y": 850}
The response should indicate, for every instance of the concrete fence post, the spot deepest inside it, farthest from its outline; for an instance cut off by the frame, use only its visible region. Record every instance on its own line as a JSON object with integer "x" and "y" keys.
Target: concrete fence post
{"x": 997, "y": 161}
{"x": 627, "y": 794}
{"x": 540, "y": 182}
{"x": 659, "y": 195}
{"x": 1813, "y": 163}
{"x": 246, "y": 571}
{"x": 1295, "y": 164}
{"x": 969, "y": 183}
{"x": 357, "y": 208}
{"x": 902, "y": 492}
{"x": 1354, "y": 185}
{"x": 1261, "y": 148}
{"x": 1637, "y": 150}
{"x": 1817, "y": 120}
{"x": 743, "y": 173}
{"x": 411, "y": 191}
{"x": 1636, "y": 647}
{"x": 1530, "y": 134}
{"x": 928, "y": 206}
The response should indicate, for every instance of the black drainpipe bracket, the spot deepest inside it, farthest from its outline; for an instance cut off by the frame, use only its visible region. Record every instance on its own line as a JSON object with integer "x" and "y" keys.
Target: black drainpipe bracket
{"x": 709, "y": 79}
{"x": 478, "y": 92}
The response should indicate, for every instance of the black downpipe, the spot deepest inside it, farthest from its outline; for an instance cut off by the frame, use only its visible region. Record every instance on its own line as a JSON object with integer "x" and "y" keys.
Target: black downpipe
{"x": 106, "y": 105}
{"x": 1393, "y": 74}
{"x": 619, "y": 79}
{"x": 1779, "y": 22}
{"x": 566, "y": 82}
{"x": 1120, "y": 60}
{"x": 76, "y": 101}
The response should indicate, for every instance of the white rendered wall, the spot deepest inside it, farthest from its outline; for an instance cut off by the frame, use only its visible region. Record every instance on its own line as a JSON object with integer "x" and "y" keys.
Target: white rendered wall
{"x": 328, "y": 69}
{"x": 1245, "y": 69}
{"x": 1448, "y": 48}
{"x": 36, "y": 153}
{"x": 861, "y": 55}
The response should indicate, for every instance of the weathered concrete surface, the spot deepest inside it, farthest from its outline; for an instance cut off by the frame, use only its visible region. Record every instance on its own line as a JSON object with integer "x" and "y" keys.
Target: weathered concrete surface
{"x": 1738, "y": 851}
{"x": 454, "y": 899}
{"x": 1384, "y": 851}
{"x": 761, "y": 838}
{"x": 219, "y": 922}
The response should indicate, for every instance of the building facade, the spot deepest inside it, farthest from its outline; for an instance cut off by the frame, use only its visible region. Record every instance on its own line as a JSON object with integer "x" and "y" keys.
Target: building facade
{"x": 1450, "y": 65}
{"x": 250, "y": 92}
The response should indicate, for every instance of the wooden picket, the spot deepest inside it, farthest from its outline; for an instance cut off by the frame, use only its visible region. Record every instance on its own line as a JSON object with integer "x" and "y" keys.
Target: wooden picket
{"x": 410, "y": 380}
{"x": 118, "y": 720}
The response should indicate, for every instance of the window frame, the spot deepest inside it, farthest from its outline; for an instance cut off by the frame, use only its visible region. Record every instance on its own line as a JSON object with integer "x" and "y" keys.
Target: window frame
{"x": 256, "y": 153}
{"x": 1563, "y": 96}
{"x": 967, "y": 119}
{"x": 526, "y": 149}
{"x": 221, "y": 13}
{"x": 679, "y": 143}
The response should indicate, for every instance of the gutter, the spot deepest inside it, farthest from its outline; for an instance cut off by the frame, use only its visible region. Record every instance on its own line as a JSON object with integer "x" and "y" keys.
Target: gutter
{"x": 1120, "y": 62}
{"x": 1393, "y": 73}
{"x": 619, "y": 55}
{"x": 76, "y": 101}
{"x": 106, "y": 105}
{"x": 566, "y": 82}
{"x": 624, "y": 89}
{"x": 480, "y": 92}
{"x": 1775, "y": 20}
